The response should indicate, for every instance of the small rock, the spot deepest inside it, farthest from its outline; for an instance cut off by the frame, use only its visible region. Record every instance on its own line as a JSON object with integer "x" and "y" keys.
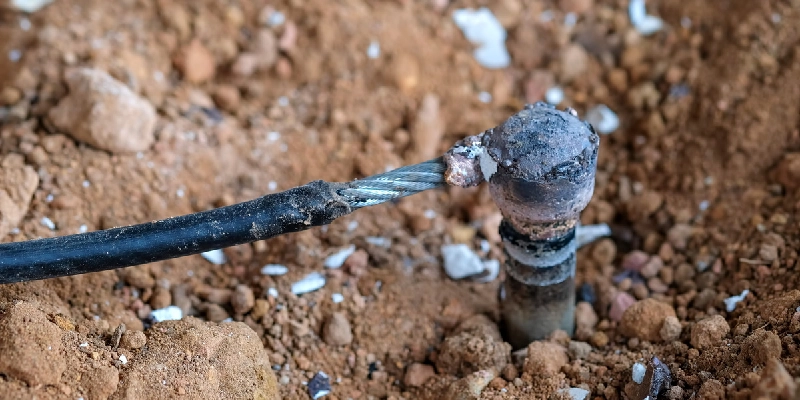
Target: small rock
{"x": 585, "y": 320}
{"x": 671, "y": 330}
{"x": 578, "y": 393}
{"x": 637, "y": 373}
{"x": 227, "y": 97}
{"x": 417, "y": 374}
{"x": 30, "y": 6}
{"x": 775, "y": 383}
{"x": 337, "y": 259}
{"x": 337, "y": 331}
{"x": 218, "y": 295}
{"x": 579, "y": 350}
{"x": 642, "y": 206}
{"x": 319, "y": 386}
{"x": 599, "y": 339}
{"x": 603, "y": 119}
{"x": 762, "y": 346}
{"x": 245, "y": 64}
{"x": 274, "y": 269}
{"x": 652, "y": 380}
{"x": 787, "y": 173}
{"x": 711, "y": 389}
{"x": 731, "y": 302}
{"x": 166, "y": 314}
{"x": 604, "y": 252}
{"x": 116, "y": 119}
{"x": 621, "y": 302}
{"x": 17, "y": 185}
{"x": 357, "y": 263}
{"x": 635, "y": 260}
{"x": 709, "y": 332}
{"x": 460, "y": 261}
{"x": 574, "y": 61}
{"x": 471, "y": 386}
{"x": 195, "y": 62}
{"x": 482, "y": 28}
{"x": 545, "y": 358}
{"x": 475, "y": 345}
{"x": 216, "y": 257}
{"x": 644, "y": 319}
{"x": 405, "y": 72}
{"x": 10, "y": 96}
{"x": 678, "y": 236}
{"x": 576, "y": 6}
{"x": 260, "y": 309}
{"x": 427, "y": 130}
{"x": 215, "y": 313}
{"x": 161, "y": 298}
{"x": 133, "y": 340}
{"x": 243, "y": 299}
{"x": 311, "y": 282}
{"x": 652, "y": 267}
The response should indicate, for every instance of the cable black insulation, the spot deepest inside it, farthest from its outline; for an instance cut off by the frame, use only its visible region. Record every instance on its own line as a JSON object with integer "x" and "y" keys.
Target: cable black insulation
{"x": 314, "y": 204}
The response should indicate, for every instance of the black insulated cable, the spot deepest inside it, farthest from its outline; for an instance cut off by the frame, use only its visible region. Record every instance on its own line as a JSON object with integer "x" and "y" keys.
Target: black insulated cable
{"x": 314, "y": 204}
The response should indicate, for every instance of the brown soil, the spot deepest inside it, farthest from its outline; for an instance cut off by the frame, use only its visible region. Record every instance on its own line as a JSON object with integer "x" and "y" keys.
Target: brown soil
{"x": 701, "y": 179}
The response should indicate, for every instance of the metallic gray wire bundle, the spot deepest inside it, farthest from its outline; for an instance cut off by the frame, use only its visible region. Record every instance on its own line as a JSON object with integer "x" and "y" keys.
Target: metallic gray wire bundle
{"x": 401, "y": 182}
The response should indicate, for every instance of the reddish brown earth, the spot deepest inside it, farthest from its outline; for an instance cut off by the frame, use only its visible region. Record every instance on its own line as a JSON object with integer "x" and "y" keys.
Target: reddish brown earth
{"x": 703, "y": 177}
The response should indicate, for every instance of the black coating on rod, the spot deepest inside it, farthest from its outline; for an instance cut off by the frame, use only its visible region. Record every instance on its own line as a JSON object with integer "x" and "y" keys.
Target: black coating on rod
{"x": 300, "y": 208}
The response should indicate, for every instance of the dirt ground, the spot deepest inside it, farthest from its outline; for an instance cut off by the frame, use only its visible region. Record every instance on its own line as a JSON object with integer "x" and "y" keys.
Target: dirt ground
{"x": 228, "y": 100}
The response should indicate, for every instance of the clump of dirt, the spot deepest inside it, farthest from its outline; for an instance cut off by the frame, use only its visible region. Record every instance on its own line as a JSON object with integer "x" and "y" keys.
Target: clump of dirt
{"x": 216, "y": 102}
{"x": 196, "y": 358}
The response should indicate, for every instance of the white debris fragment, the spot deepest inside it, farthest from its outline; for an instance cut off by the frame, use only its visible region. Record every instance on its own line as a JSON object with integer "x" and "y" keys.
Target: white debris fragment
{"x": 30, "y": 6}
{"x": 272, "y": 292}
{"x": 645, "y": 24}
{"x": 24, "y": 24}
{"x": 554, "y": 95}
{"x": 603, "y": 119}
{"x": 352, "y": 225}
{"x": 586, "y": 234}
{"x": 491, "y": 269}
{"x": 83, "y": 229}
{"x": 730, "y": 302}
{"x": 337, "y": 259}
{"x": 460, "y": 261}
{"x": 313, "y": 281}
{"x": 429, "y": 214}
{"x": 272, "y": 185}
{"x": 274, "y": 269}
{"x": 171, "y": 313}
{"x": 374, "y": 50}
{"x": 48, "y": 223}
{"x": 488, "y": 165}
{"x": 570, "y": 19}
{"x": 123, "y": 359}
{"x": 215, "y": 257}
{"x": 276, "y": 18}
{"x": 379, "y": 241}
{"x": 485, "y": 97}
{"x": 483, "y": 29}
{"x": 637, "y": 373}
{"x": 576, "y": 393}
{"x": 337, "y": 298}
{"x": 14, "y": 55}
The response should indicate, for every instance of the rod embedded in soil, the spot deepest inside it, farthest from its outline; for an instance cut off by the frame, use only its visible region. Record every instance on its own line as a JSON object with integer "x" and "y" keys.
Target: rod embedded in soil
{"x": 540, "y": 165}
